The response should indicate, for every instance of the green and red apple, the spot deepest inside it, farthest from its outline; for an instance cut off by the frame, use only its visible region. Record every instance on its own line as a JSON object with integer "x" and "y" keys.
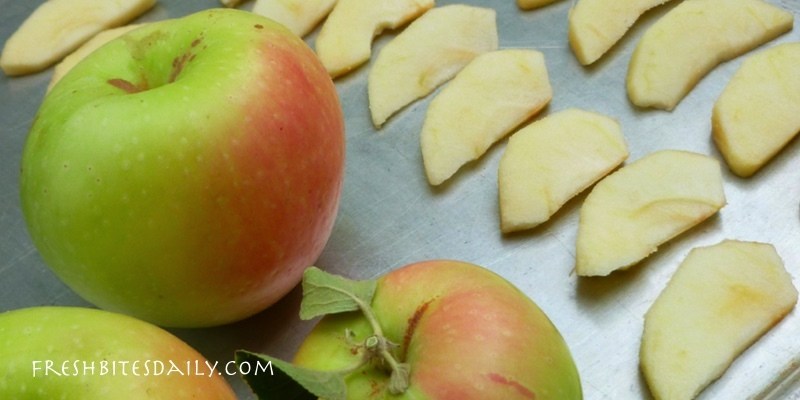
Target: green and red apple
{"x": 452, "y": 330}
{"x": 77, "y": 353}
{"x": 187, "y": 172}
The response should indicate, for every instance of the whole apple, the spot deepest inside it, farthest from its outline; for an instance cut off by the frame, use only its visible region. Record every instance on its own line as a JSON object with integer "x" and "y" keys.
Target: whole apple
{"x": 463, "y": 331}
{"x": 87, "y": 354}
{"x": 187, "y": 172}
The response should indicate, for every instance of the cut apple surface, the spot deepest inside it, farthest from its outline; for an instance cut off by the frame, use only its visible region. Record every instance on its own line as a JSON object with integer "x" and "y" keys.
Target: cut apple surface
{"x": 429, "y": 52}
{"x": 691, "y": 39}
{"x": 58, "y": 27}
{"x": 300, "y": 16}
{"x": 551, "y": 160}
{"x": 631, "y": 212}
{"x": 345, "y": 40}
{"x": 531, "y": 4}
{"x": 492, "y": 95}
{"x": 720, "y": 300}
{"x": 87, "y": 48}
{"x": 596, "y": 25}
{"x": 757, "y": 113}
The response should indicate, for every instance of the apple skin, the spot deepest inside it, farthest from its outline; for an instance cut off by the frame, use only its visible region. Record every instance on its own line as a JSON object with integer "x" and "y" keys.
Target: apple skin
{"x": 69, "y": 334}
{"x": 466, "y": 332}
{"x": 188, "y": 172}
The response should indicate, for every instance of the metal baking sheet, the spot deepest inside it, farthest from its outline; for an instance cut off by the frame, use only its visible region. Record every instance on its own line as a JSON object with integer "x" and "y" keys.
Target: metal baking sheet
{"x": 390, "y": 216}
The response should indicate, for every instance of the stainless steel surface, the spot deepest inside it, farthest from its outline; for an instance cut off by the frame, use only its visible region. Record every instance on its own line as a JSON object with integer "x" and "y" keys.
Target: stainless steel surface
{"x": 390, "y": 216}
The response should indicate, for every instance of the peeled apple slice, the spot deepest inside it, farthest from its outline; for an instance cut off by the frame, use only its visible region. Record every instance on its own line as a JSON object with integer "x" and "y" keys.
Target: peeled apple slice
{"x": 531, "y": 4}
{"x": 492, "y": 95}
{"x": 87, "y": 48}
{"x": 345, "y": 40}
{"x": 58, "y": 27}
{"x": 757, "y": 113}
{"x": 553, "y": 159}
{"x": 631, "y": 212}
{"x": 300, "y": 16}
{"x": 691, "y": 39}
{"x": 429, "y": 52}
{"x": 596, "y": 25}
{"x": 721, "y": 299}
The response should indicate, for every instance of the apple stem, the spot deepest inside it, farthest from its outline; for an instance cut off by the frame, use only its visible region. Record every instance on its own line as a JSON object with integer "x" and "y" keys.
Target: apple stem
{"x": 378, "y": 344}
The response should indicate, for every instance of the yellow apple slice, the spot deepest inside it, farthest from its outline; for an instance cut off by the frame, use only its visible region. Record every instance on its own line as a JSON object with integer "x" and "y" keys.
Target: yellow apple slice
{"x": 345, "y": 40}
{"x": 300, "y": 16}
{"x": 596, "y": 25}
{"x": 757, "y": 113}
{"x": 551, "y": 160}
{"x": 58, "y": 27}
{"x": 691, "y": 39}
{"x": 531, "y": 4}
{"x": 631, "y": 212}
{"x": 720, "y": 300}
{"x": 87, "y": 48}
{"x": 429, "y": 52}
{"x": 492, "y": 95}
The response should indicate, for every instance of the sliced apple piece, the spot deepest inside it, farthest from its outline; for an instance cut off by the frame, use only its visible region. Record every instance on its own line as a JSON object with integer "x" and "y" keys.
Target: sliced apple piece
{"x": 631, "y": 212}
{"x": 58, "y": 27}
{"x": 691, "y": 39}
{"x": 230, "y": 3}
{"x": 429, "y": 52}
{"x": 757, "y": 113}
{"x": 553, "y": 159}
{"x": 492, "y": 95}
{"x": 345, "y": 40}
{"x": 531, "y": 4}
{"x": 596, "y": 25}
{"x": 721, "y": 299}
{"x": 300, "y": 16}
{"x": 87, "y": 48}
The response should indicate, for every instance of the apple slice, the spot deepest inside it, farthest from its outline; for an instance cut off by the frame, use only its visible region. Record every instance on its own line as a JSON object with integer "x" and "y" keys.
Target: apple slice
{"x": 531, "y": 4}
{"x": 300, "y": 16}
{"x": 230, "y": 3}
{"x": 87, "y": 48}
{"x": 691, "y": 39}
{"x": 551, "y": 160}
{"x": 58, "y": 27}
{"x": 756, "y": 115}
{"x": 596, "y": 25}
{"x": 429, "y": 52}
{"x": 721, "y": 299}
{"x": 492, "y": 95}
{"x": 634, "y": 210}
{"x": 345, "y": 40}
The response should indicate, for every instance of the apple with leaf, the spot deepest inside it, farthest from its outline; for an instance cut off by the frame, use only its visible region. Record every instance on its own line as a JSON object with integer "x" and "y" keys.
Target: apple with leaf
{"x": 431, "y": 330}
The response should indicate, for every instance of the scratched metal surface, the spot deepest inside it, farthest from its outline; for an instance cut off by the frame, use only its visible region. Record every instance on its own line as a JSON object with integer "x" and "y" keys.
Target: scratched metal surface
{"x": 389, "y": 215}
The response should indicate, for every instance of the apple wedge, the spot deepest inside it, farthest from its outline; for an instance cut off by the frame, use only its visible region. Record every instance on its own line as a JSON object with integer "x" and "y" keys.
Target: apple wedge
{"x": 531, "y": 4}
{"x": 691, "y": 39}
{"x": 551, "y": 160}
{"x": 721, "y": 299}
{"x": 596, "y": 25}
{"x": 300, "y": 16}
{"x": 345, "y": 40}
{"x": 58, "y": 27}
{"x": 631, "y": 212}
{"x": 87, "y": 48}
{"x": 756, "y": 115}
{"x": 492, "y": 95}
{"x": 429, "y": 52}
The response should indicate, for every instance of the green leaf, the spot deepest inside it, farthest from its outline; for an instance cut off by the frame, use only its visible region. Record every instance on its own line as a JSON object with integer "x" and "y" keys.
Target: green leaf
{"x": 325, "y": 293}
{"x": 285, "y": 381}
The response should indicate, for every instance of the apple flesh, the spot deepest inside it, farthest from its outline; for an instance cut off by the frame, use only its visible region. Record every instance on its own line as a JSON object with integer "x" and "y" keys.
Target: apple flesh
{"x": 721, "y": 299}
{"x": 71, "y": 340}
{"x": 691, "y": 39}
{"x": 466, "y": 332}
{"x": 188, "y": 172}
